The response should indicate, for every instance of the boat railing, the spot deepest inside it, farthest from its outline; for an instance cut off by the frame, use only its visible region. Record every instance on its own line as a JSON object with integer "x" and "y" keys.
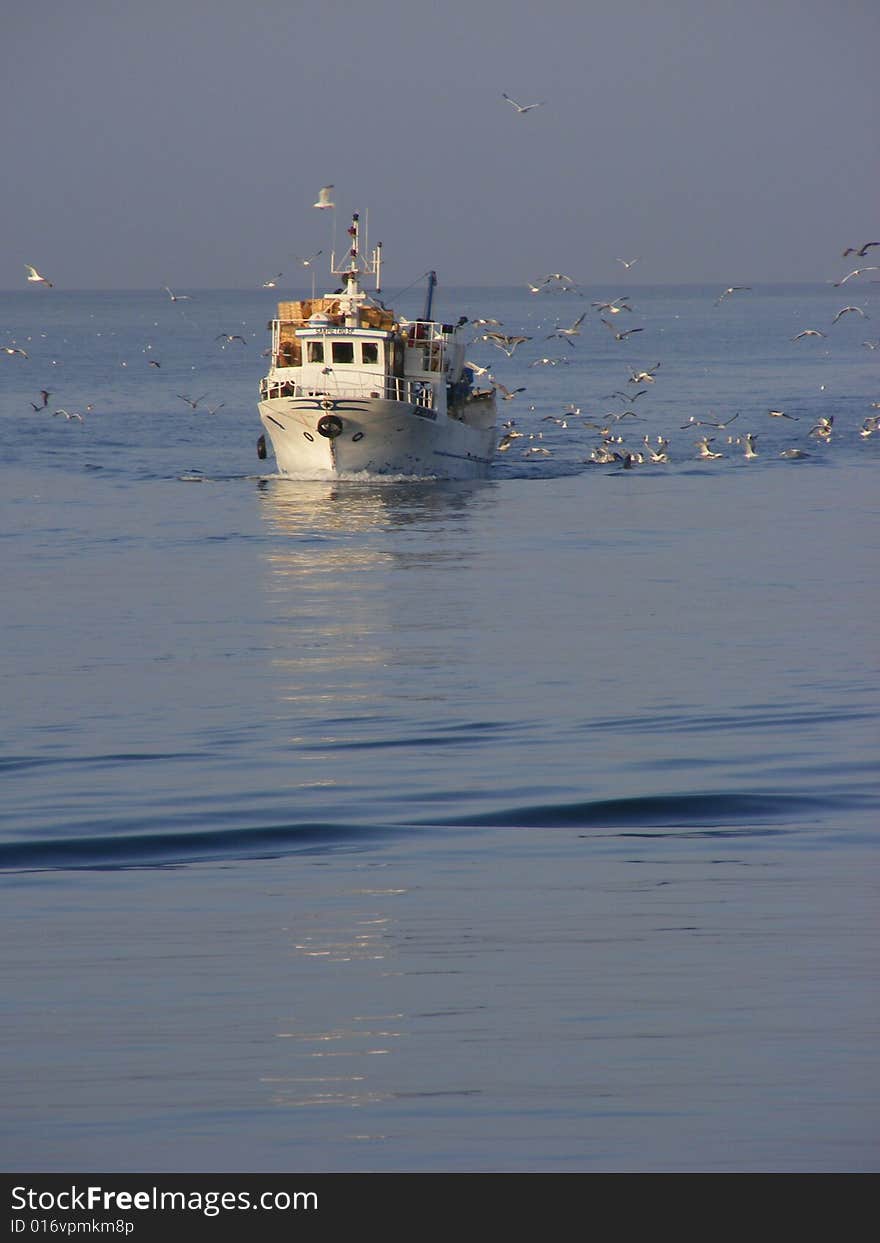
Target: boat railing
{"x": 355, "y": 384}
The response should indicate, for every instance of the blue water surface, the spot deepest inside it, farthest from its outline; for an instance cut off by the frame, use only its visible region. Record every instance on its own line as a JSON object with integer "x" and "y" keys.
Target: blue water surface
{"x": 522, "y": 825}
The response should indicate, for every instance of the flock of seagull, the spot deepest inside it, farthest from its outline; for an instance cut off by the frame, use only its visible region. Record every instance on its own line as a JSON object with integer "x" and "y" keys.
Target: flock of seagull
{"x": 612, "y": 447}
{"x": 194, "y": 403}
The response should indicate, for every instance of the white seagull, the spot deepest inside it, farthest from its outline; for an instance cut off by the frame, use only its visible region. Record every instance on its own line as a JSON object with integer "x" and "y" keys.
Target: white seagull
{"x": 854, "y": 272}
{"x": 729, "y": 290}
{"x": 176, "y": 297}
{"x": 325, "y": 197}
{"x": 306, "y": 263}
{"x": 627, "y": 263}
{"x": 34, "y": 275}
{"x": 843, "y": 310}
{"x": 573, "y": 331}
{"x": 522, "y": 107}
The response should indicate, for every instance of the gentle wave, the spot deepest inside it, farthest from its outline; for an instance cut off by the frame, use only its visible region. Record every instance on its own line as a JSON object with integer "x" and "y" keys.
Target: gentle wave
{"x": 751, "y": 814}
{"x": 654, "y": 811}
{"x": 176, "y": 849}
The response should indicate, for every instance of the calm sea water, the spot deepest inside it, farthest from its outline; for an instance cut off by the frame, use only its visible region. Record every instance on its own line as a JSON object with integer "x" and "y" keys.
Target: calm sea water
{"x": 527, "y": 825}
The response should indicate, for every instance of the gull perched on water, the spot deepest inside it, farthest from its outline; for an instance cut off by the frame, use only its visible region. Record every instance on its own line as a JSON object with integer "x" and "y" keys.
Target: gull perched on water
{"x": 34, "y": 275}
{"x": 325, "y": 197}
{"x": 522, "y": 107}
{"x": 749, "y": 442}
{"x": 843, "y": 310}
{"x": 870, "y": 426}
{"x": 659, "y": 454}
{"x": 704, "y": 450}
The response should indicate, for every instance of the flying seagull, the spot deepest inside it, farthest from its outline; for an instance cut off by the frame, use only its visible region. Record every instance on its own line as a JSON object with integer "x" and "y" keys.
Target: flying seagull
{"x": 34, "y": 275}
{"x": 308, "y": 262}
{"x": 227, "y": 337}
{"x": 176, "y": 297}
{"x": 861, "y": 251}
{"x": 615, "y": 306}
{"x": 854, "y": 272}
{"x": 325, "y": 197}
{"x": 729, "y": 290}
{"x": 508, "y": 393}
{"x": 522, "y": 107}
{"x": 780, "y": 414}
{"x": 573, "y": 331}
{"x": 843, "y": 310}
{"x": 192, "y": 402}
{"x": 627, "y": 263}
{"x": 273, "y": 281}
{"x": 620, "y": 336}
{"x": 822, "y": 430}
{"x": 808, "y": 332}
{"x": 14, "y": 349}
{"x": 643, "y": 377}
{"x": 504, "y": 342}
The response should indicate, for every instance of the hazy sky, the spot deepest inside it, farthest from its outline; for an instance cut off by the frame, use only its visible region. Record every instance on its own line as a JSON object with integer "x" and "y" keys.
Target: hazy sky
{"x": 184, "y": 141}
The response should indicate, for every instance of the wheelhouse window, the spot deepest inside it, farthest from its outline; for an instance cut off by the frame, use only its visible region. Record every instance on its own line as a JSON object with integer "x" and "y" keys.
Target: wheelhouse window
{"x": 343, "y": 351}
{"x": 315, "y": 351}
{"x": 369, "y": 353}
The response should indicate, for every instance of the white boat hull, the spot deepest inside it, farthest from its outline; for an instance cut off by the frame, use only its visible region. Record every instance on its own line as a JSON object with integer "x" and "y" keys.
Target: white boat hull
{"x": 375, "y": 436}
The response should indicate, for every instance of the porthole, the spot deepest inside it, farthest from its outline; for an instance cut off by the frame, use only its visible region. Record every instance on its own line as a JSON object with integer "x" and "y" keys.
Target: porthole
{"x": 358, "y": 436}
{"x": 309, "y": 436}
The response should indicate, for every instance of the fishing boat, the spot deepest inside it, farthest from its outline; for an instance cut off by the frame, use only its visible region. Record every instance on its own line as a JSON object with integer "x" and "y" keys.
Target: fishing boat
{"x": 354, "y": 389}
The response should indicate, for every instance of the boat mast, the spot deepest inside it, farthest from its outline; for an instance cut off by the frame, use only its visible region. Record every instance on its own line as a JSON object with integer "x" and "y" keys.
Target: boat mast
{"x": 429, "y": 296}
{"x": 351, "y": 272}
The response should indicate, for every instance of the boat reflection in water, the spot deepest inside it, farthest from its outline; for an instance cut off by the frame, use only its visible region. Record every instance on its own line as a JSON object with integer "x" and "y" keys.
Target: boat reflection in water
{"x": 296, "y": 507}
{"x": 372, "y": 589}
{"x": 369, "y": 587}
